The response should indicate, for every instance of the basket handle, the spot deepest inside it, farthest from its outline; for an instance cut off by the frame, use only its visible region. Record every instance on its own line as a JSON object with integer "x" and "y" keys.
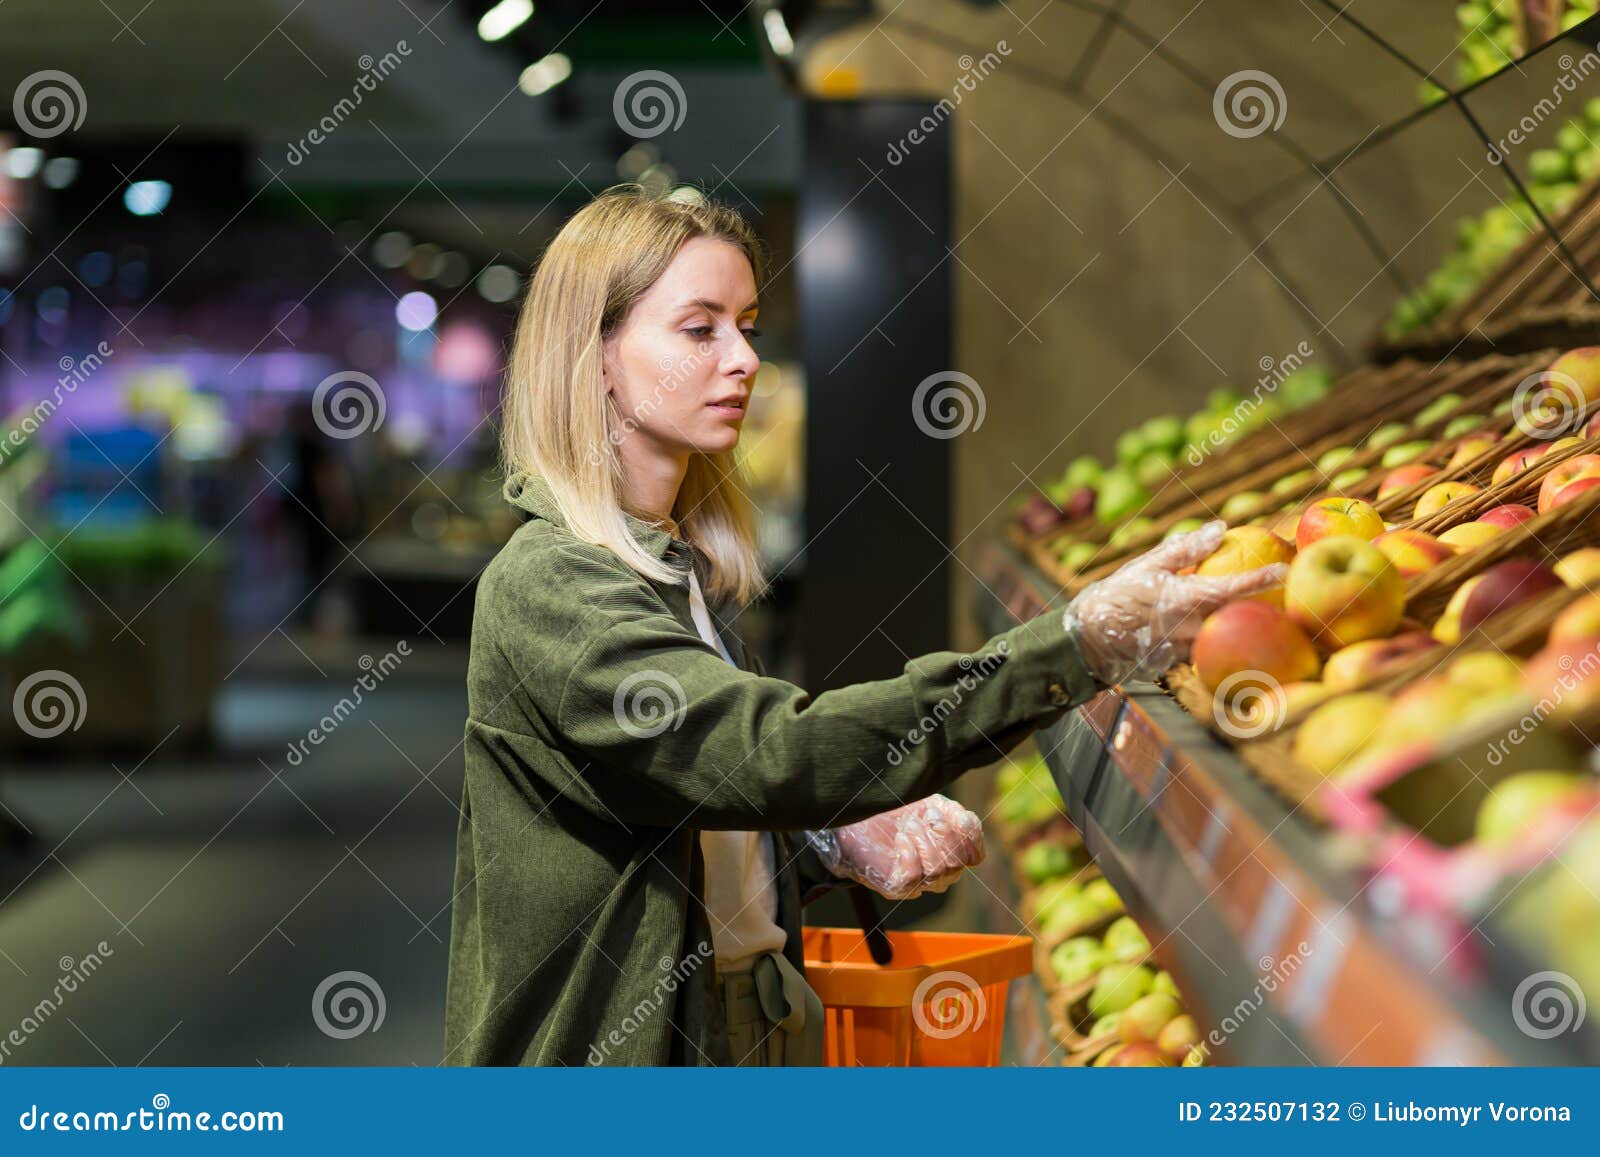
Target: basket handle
{"x": 867, "y": 916}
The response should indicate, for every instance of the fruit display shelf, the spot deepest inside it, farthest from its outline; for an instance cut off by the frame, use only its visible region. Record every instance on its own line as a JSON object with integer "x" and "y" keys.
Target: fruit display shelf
{"x": 1531, "y": 296}
{"x": 1277, "y": 932}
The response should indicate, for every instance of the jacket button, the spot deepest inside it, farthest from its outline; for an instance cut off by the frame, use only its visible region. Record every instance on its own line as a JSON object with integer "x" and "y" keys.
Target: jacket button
{"x": 1059, "y": 695}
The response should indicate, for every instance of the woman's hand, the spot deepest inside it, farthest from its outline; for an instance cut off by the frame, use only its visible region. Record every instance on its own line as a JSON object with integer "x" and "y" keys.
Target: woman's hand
{"x": 1139, "y": 621}
{"x": 922, "y": 847}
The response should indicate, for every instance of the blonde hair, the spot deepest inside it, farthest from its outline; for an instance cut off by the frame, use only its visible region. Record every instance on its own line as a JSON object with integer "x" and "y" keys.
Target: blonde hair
{"x": 555, "y": 421}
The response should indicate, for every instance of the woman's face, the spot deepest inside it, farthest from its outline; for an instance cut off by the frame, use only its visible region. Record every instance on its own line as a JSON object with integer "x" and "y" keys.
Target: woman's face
{"x": 680, "y": 366}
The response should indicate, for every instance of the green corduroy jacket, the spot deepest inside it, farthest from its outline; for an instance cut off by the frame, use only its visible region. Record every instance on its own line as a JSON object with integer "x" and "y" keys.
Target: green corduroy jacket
{"x": 603, "y": 734}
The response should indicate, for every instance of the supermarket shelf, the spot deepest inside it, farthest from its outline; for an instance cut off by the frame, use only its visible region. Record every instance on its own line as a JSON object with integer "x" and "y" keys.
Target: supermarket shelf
{"x": 1233, "y": 884}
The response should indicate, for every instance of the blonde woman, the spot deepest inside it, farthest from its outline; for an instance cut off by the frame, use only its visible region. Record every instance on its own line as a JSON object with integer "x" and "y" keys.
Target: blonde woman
{"x": 643, "y": 808}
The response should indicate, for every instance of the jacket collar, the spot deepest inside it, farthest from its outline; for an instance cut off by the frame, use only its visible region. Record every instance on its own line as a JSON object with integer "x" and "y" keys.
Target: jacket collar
{"x": 532, "y": 495}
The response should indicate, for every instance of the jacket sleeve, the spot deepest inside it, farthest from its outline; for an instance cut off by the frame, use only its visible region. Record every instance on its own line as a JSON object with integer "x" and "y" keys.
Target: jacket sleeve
{"x": 661, "y": 731}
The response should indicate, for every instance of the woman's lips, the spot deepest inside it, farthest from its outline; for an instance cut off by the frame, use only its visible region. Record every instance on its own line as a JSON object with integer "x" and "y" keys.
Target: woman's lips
{"x": 726, "y": 411}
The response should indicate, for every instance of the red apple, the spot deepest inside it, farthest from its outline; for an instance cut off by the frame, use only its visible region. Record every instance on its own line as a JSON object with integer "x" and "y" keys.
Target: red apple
{"x": 1403, "y": 476}
{"x": 1508, "y": 515}
{"x": 1249, "y": 636}
{"x": 1516, "y": 463}
{"x": 1360, "y": 663}
{"x": 1143, "y": 1055}
{"x": 1572, "y": 489}
{"x": 1470, "y": 535}
{"x": 1564, "y": 474}
{"x": 1412, "y": 551}
{"x": 1338, "y": 516}
{"x": 1343, "y": 590}
{"x": 1504, "y": 586}
{"x": 1470, "y": 449}
{"x": 1576, "y": 376}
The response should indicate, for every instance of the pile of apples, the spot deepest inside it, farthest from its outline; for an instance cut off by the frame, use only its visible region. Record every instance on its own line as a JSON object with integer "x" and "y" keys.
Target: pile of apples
{"x": 1131, "y": 1013}
{"x": 1148, "y": 453}
{"x": 1484, "y": 242}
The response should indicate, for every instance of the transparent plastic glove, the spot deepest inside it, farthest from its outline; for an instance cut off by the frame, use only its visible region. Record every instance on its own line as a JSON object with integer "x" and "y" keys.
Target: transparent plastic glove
{"x": 922, "y": 847}
{"x": 1138, "y": 622}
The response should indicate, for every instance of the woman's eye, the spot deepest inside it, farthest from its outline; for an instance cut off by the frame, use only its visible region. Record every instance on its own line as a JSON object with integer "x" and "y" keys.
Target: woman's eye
{"x": 751, "y": 334}
{"x": 700, "y": 331}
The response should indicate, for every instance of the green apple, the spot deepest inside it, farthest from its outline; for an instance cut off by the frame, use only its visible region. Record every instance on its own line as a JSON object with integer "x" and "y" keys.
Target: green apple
{"x": 1519, "y": 800}
{"x": 1077, "y": 556}
{"x": 1306, "y": 386}
{"x": 1386, "y": 435}
{"x": 1330, "y": 460}
{"x": 1464, "y": 424}
{"x": 1131, "y": 447}
{"x": 1163, "y": 982}
{"x": 1154, "y": 468}
{"x": 1144, "y": 1019}
{"x": 1222, "y": 399}
{"x": 1184, "y": 526}
{"x": 1195, "y": 1058}
{"x": 1119, "y": 496}
{"x": 1077, "y": 959}
{"x": 1438, "y": 408}
{"x": 1345, "y": 479}
{"x": 1403, "y": 452}
{"x": 1083, "y": 471}
{"x": 1164, "y": 433}
{"x": 1125, "y": 940}
{"x": 1043, "y": 859}
{"x": 1245, "y": 504}
{"x": 1118, "y": 986}
{"x": 1295, "y": 481}
{"x": 1070, "y": 914}
{"x": 1101, "y": 893}
{"x": 1106, "y": 1024}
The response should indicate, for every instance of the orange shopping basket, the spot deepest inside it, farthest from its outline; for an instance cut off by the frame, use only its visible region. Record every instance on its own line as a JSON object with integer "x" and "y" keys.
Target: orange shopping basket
{"x": 941, "y": 1001}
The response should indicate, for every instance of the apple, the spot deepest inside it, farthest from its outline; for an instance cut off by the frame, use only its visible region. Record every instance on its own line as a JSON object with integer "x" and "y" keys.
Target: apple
{"x": 1576, "y": 376}
{"x": 1489, "y": 672}
{"x": 1438, "y": 408}
{"x": 1178, "y": 1037}
{"x": 1581, "y": 568}
{"x": 1579, "y": 620}
{"x": 1440, "y": 495}
{"x": 1348, "y": 479}
{"x": 1402, "y": 452}
{"x": 1386, "y": 435}
{"x": 1508, "y": 515}
{"x": 1195, "y": 1058}
{"x": 1252, "y": 636}
{"x": 1330, "y": 460}
{"x": 1163, "y": 982}
{"x": 1247, "y": 548}
{"x": 1339, "y": 730}
{"x": 1077, "y": 959}
{"x": 1563, "y": 474}
{"x": 1343, "y": 590}
{"x": 1103, "y": 896}
{"x": 1129, "y": 531}
{"x": 1244, "y": 505}
{"x": 1403, "y": 476}
{"x": 1299, "y": 480}
{"x": 1423, "y": 710}
{"x": 1506, "y": 585}
{"x": 1338, "y": 516}
{"x": 1359, "y": 663}
{"x": 1143, "y": 1055}
{"x": 1464, "y": 424}
{"x": 1448, "y": 628}
{"x": 1084, "y": 471}
{"x": 1146, "y": 1017}
{"x": 1412, "y": 551}
{"x": 1516, "y": 463}
{"x": 1125, "y": 940}
{"x": 1564, "y": 674}
{"x": 1592, "y": 430}
{"x": 1518, "y": 801}
{"x": 1117, "y": 987}
{"x": 1077, "y": 556}
{"x": 1573, "y": 489}
{"x": 1468, "y": 535}
{"x": 1118, "y": 496}
{"x": 1107, "y": 1056}
{"x": 1471, "y": 449}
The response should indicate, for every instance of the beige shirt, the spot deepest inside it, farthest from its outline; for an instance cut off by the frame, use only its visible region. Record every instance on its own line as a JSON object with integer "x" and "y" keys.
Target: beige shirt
{"x": 741, "y": 898}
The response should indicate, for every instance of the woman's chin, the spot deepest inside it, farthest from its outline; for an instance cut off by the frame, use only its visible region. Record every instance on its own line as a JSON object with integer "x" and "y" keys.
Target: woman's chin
{"x": 719, "y": 441}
